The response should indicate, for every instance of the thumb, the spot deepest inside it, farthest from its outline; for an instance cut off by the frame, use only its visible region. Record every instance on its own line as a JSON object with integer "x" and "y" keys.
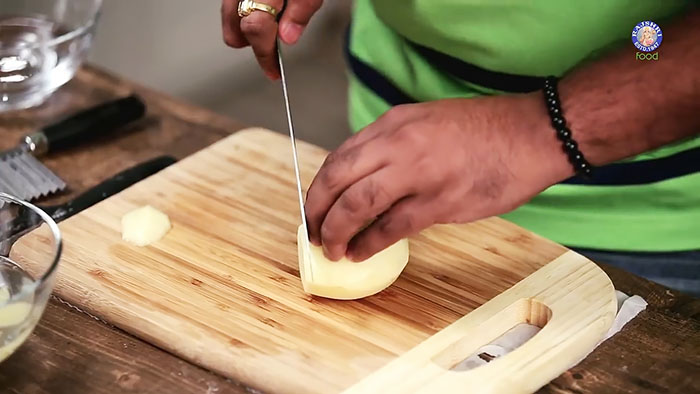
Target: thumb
{"x": 295, "y": 18}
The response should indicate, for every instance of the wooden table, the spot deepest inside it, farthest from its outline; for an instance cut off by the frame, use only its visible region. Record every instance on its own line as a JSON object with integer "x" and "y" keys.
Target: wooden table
{"x": 71, "y": 352}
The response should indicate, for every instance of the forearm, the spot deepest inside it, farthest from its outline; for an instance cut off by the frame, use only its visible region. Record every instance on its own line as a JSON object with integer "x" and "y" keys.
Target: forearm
{"x": 620, "y": 106}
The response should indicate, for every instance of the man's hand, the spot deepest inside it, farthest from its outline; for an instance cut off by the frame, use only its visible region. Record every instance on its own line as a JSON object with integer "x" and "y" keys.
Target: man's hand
{"x": 259, "y": 29}
{"x": 439, "y": 162}
{"x": 464, "y": 159}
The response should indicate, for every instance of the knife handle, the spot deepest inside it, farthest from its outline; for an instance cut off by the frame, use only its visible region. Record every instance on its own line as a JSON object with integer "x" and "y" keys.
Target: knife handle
{"x": 109, "y": 187}
{"x": 87, "y": 124}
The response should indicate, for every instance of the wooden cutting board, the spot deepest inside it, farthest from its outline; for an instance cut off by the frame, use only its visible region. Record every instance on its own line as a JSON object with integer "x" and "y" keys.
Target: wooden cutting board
{"x": 222, "y": 289}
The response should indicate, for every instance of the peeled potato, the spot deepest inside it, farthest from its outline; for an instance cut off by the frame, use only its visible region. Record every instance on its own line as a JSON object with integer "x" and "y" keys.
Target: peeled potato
{"x": 144, "y": 225}
{"x": 344, "y": 279}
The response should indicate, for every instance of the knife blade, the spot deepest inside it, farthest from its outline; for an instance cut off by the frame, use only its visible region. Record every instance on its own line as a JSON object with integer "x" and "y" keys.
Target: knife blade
{"x": 290, "y": 126}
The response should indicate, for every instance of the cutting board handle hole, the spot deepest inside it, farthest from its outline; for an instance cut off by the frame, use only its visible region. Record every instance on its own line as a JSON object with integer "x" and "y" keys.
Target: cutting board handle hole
{"x": 495, "y": 337}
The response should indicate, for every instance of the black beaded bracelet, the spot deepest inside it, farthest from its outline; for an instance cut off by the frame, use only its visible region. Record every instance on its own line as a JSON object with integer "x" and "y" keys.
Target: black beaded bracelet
{"x": 570, "y": 147}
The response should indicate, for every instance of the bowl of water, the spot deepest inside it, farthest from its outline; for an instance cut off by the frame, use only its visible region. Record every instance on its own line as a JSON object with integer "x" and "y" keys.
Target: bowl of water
{"x": 30, "y": 250}
{"x": 42, "y": 45}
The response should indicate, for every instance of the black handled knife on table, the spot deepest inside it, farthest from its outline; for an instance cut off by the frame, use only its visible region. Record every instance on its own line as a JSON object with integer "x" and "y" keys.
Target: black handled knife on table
{"x": 25, "y": 177}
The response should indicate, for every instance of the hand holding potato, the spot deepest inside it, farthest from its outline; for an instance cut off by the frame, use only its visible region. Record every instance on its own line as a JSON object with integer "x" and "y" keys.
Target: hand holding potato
{"x": 443, "y": 161}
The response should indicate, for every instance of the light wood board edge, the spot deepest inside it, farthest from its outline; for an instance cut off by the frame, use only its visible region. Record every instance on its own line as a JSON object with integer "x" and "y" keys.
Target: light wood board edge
{"x": 574, "y": 291}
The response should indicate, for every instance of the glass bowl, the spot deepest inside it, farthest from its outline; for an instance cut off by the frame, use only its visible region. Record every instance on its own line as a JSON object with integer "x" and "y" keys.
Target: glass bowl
{"x": 26, "y": 282}
{"x": 42, "y": 44}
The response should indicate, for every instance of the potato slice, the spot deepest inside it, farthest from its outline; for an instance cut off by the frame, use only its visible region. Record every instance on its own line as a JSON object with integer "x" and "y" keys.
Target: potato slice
{"x": 347, "y": 280}
{"x": 144, "y": 225}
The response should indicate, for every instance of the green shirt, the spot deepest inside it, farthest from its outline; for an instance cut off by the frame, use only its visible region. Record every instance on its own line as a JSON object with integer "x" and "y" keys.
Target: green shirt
{"x": 532, "y": 38}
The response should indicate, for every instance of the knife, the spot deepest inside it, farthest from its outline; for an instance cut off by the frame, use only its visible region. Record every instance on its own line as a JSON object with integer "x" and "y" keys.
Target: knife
{"x": 290, "y": 126}
{"x": 25, "y": 177}
{"x": 82, "y": 127}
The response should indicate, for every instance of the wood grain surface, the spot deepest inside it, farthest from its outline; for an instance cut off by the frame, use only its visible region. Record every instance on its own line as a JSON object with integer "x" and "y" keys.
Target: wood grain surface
{"x": 571, "y": 299}
{"x": 222, "y": 288}
{"x": 170, "y": 126}
{"x": 108, "y": 361}
{"x": 658, "y": 352}
{"x": 71, "y": 352}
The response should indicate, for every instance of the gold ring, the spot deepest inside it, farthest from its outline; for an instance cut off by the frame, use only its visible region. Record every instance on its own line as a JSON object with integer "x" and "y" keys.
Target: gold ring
{"x": 246, "y": 7}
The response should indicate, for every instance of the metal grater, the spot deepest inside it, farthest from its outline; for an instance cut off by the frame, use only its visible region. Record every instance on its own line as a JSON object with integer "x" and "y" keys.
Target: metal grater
{"x": 25, "y": 177}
